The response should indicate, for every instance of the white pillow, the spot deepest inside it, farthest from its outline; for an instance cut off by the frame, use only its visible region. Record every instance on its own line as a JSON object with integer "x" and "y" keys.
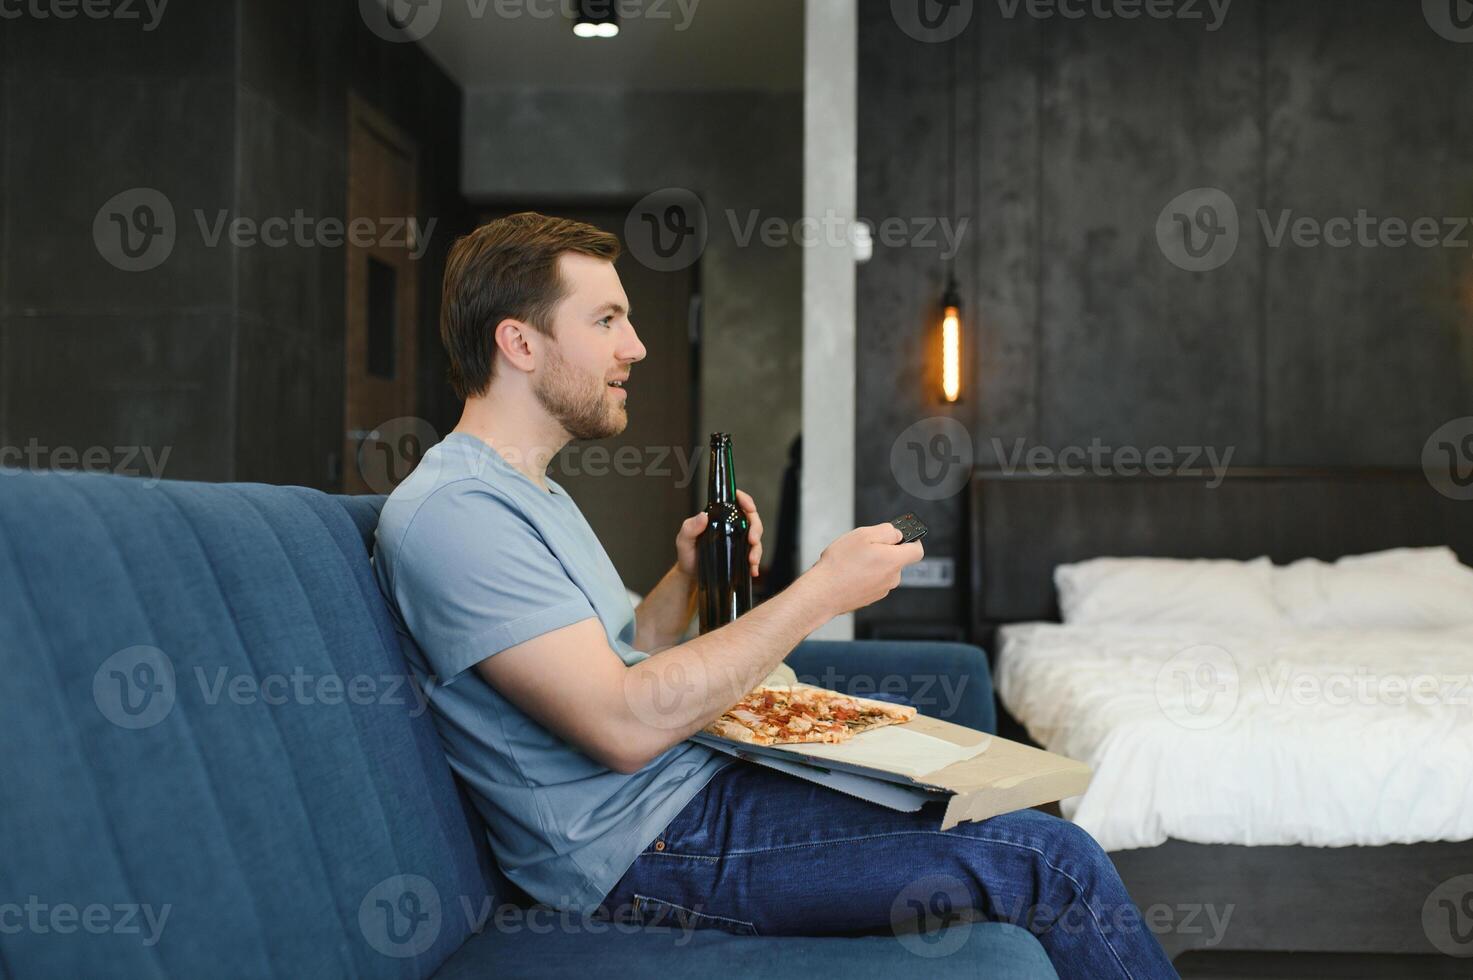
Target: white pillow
{"x": 1147, "y": 591}
{"x": 1405, "y": 588}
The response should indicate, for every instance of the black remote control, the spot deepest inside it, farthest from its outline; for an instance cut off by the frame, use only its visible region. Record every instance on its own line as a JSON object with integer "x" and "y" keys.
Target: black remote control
{"x": 910, "y": 527}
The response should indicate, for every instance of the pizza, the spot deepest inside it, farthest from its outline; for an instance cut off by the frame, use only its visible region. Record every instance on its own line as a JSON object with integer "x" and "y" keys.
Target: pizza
{"x": 786, "y": 715}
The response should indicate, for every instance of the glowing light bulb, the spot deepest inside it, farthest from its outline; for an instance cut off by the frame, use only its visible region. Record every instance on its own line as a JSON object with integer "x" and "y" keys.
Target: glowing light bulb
{"x": 951, "y": 354}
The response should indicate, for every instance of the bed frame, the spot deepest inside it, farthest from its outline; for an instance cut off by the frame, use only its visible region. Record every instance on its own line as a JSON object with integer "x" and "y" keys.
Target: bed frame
{"x": 1299, "y": 899}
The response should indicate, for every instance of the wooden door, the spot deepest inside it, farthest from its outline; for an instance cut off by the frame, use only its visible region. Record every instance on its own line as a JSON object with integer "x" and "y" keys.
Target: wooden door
{"x": 384, "y": 440}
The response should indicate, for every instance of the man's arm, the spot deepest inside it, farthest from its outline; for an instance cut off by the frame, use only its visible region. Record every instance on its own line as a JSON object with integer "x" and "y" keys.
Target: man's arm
{"x": 662, "y": 618}
{"x": 574, "y": 685}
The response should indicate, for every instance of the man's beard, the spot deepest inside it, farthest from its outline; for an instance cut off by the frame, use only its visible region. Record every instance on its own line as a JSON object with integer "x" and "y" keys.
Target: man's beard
{"x": 579, "y": 403}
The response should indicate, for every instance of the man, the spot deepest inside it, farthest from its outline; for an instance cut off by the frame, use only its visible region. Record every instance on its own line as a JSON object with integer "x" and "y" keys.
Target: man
{"x": 566, "y": 711}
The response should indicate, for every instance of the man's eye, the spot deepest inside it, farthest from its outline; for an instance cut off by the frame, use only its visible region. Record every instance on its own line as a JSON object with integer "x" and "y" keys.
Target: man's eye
{"x": 606, "y": 321}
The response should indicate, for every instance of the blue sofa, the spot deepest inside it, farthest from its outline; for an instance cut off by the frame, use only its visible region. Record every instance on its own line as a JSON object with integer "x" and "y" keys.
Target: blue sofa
{"x": 212, "y": 764}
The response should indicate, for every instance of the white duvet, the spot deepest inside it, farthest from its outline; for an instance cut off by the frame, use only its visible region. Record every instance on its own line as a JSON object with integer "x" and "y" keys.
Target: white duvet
{"x": 1317, "y": 737}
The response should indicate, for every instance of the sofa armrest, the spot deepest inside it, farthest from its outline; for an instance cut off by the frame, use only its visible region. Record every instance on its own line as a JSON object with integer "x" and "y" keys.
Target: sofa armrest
{"x": 950, "y": 681}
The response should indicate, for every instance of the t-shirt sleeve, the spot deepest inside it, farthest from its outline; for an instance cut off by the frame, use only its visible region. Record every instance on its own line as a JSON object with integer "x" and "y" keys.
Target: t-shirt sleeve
{"x": 473, "y": 577}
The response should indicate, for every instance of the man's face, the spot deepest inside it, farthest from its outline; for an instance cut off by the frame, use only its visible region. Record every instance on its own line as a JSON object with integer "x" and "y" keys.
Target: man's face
{"x": 593, "y": 345}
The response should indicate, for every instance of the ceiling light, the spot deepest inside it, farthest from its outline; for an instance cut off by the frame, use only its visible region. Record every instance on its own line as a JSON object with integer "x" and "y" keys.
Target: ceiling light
{"x": 596, "y": 18}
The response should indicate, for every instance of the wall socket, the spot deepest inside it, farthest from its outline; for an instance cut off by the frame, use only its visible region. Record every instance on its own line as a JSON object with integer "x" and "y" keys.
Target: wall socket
{"x": 929, "y": 573}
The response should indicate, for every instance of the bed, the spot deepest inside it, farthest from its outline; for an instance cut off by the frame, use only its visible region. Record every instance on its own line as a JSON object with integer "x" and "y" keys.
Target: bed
{"x": 1298, "y": 798}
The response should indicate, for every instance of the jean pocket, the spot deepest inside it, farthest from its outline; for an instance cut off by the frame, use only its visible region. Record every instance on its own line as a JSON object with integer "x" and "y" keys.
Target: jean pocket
{"x": 655, "y": 913}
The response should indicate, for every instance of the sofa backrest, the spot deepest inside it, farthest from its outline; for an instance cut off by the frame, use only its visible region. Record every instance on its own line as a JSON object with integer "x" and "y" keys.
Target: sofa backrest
{"x": 212, "y": 756}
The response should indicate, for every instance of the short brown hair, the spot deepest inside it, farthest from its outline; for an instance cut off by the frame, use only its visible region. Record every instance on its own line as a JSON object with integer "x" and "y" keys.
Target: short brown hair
{"x": 506, "y": 268}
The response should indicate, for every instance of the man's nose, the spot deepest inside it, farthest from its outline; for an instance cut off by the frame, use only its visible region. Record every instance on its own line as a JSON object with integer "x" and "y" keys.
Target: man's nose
{"x": 633, "y": 349}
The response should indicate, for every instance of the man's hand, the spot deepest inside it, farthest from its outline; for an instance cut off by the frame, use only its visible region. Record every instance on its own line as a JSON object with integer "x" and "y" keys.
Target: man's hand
{"x": 863, "y": 566}
{"x": 690, "y": 531}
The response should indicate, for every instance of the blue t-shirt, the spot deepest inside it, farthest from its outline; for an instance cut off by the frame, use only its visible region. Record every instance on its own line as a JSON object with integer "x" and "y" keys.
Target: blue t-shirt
{"x": 475, "y": 558}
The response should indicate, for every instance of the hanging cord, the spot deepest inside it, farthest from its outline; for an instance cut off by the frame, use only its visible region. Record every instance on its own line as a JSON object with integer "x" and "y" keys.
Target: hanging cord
{"x": 951, "y": 159}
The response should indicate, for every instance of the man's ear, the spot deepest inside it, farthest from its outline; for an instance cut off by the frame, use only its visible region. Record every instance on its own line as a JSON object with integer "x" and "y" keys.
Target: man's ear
{"x": 514, "y": 338}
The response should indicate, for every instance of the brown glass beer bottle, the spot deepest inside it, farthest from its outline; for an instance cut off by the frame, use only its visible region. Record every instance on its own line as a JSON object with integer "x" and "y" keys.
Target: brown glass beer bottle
{"x": 723, "y": 569}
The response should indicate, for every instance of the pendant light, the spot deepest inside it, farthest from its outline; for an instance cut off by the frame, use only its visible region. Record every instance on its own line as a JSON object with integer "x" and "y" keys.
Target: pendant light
{"x": 950, "y": 328}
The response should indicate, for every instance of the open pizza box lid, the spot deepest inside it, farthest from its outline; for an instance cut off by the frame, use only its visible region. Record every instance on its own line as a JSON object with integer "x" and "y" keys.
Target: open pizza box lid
{"x": 990, "y": 776}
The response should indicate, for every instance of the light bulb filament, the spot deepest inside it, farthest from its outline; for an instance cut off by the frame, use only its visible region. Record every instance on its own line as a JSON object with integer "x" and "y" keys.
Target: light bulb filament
{"x": 951, "y": 366}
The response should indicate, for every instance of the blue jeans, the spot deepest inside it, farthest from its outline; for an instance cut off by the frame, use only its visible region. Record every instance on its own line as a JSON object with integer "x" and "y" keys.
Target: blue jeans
{"x": 759, "y": 852}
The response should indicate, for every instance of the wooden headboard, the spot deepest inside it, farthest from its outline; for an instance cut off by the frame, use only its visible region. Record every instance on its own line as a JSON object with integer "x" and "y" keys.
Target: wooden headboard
{"x": 1022, "y": 526}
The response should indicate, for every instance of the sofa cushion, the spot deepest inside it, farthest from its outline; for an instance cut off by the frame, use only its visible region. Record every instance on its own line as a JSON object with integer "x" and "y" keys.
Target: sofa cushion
{"x": 213, "y": 762}
{"x": 553, "y": 946}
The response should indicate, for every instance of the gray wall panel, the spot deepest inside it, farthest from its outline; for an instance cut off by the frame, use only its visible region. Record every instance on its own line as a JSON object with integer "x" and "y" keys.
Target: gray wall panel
{"x": 1369, "y": 348}
{"x": 1077, "y": 134}
{"x": 232, "y": 356}
{"x": 1135, "y": 350}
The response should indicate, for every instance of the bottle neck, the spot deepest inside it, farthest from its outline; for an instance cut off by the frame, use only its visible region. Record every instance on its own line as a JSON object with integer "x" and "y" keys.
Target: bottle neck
{"x": 721, "y": 479}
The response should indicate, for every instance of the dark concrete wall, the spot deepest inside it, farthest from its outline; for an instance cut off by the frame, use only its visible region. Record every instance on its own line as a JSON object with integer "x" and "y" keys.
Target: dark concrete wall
{"x": 231, "y": 358}
{"x": 92, "y": 355}
{"x": 1074, "y": 135}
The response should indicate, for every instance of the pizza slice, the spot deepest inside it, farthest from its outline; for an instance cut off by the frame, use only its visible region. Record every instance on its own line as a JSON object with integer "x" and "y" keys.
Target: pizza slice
{"x": 773, "y": 716}
{"x": 855, "y": 713}
{"x": 790, "y": 715}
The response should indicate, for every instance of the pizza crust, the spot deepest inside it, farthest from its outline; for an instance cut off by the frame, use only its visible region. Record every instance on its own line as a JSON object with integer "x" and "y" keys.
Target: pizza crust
{"x": 737, "y": 732}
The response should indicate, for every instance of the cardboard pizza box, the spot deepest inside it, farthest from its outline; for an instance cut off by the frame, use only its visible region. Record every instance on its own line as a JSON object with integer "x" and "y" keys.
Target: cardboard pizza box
{"x": 999, "y": 777}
